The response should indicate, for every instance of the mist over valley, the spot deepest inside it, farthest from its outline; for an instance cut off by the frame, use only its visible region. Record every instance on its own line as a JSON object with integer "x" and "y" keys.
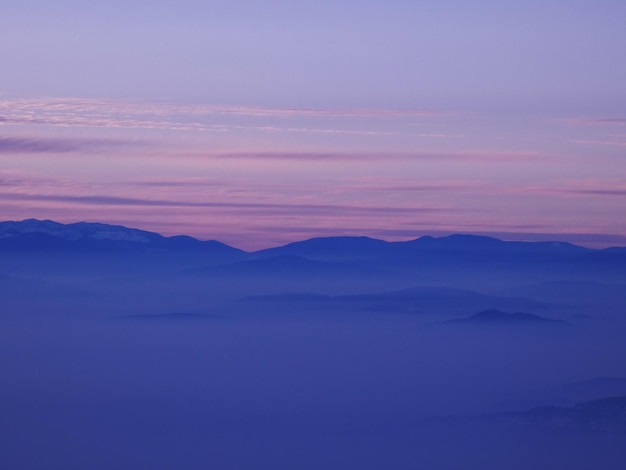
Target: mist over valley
{"x": 125, "y": 348}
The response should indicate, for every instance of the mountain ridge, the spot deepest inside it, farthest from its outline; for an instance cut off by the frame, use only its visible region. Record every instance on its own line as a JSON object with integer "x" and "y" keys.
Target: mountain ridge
{"x": 101, "y": 231}
{"x": 40, "y": 234}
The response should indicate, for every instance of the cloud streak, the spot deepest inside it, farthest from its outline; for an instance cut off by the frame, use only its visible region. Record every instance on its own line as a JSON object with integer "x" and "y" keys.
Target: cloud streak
{"x": 10, "y": 145}
{"x": 302, "y": 209}
{"x": 490, "y": 156}
{"x": 187, "y": 117}
{"x": 24, "y": 145}
{"x": 616, "y": 143}
{"x": 609, "y": 187}
{"x": 593, "y": 192}
{"x": 617, "y": 121}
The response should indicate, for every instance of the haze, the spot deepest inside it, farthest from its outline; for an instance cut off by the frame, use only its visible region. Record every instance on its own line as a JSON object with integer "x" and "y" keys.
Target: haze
{"x": 303, "y": 235}
{"x": 125, "y": 349}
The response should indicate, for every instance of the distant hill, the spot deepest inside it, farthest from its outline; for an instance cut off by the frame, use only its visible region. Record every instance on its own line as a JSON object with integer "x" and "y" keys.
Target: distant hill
{"x": 414, "y": 300}
{"x": 605, "y": 415}
{"x": 370, "y": 248}
{"x": 454, "y": 257}
{"x": 604, "y": 296}
{"x": 607, "y": 258}
{"x": 568, "y": 394}
{"x": 330, "y": 247}
{"x": 493, "y": 316}
{"x": 476, "y": 243}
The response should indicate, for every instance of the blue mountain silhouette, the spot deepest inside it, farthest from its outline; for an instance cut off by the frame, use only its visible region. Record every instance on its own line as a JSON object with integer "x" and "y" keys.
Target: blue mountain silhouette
{"x": 47, "y": 235}
{"x": 493, "y": 316}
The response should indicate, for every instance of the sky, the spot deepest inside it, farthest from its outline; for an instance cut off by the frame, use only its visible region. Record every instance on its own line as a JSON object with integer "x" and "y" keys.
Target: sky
{"x": 260, "y": 123}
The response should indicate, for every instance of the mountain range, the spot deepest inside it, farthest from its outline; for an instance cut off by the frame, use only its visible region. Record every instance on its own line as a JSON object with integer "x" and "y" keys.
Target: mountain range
{"x": 49, "y": 235}
{"x": 43, "y": 243}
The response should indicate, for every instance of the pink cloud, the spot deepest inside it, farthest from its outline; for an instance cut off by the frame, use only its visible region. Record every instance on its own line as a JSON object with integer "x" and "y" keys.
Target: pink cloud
{"x": 617, "y": 143}
{"x": 586, "y": 187}
{"x": 595, "y": 121}
{"x": 309, "y": 209}
{"x": 165, "y": 115}
{"x": 21, "y": 145}
{"x": 491, "y": 156}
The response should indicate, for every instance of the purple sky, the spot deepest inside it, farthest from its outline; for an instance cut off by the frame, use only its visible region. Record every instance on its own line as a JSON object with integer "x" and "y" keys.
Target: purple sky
{"x": 258, "y": 123}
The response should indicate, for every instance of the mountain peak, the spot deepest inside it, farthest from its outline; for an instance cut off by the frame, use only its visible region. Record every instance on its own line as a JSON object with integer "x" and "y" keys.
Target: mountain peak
{"x": 75, "y": 231}
{"x": 35, "y": 234}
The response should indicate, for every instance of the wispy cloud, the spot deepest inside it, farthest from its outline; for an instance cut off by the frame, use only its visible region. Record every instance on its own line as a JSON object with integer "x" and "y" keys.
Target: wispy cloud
{"x": 13, "y": 145}
{"x": 255, "y": 206}
{"x": 617, "y": 143}
{"x": 583, "y": 187}
{"x": 292, "y": 112}
{"x": 172, "y": 116}
{"x": 587, "y": 192}
{"x": 504, "y": 156}
{"x": 27, "y": 145}
{"x": 301, "y": 156}
{"x": 611, "y": 121}
{"x": 175, "y": 182}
